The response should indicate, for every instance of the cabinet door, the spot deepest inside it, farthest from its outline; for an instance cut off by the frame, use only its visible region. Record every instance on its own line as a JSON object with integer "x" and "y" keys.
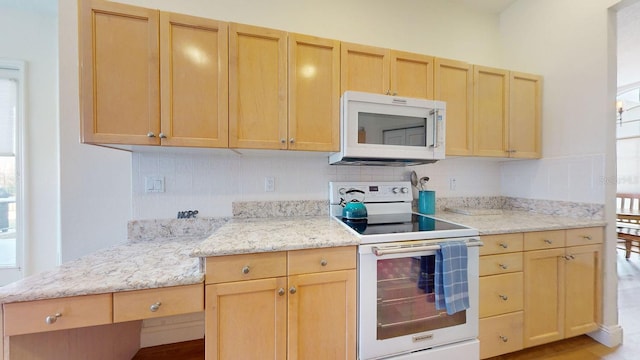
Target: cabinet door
{"x": 524, "y": 115}
{"x": 491, "y": 111}
{"x": 246, "y": 320}
{"x": 411, "y": 74}
{"x": 544, "y": 294}
{"x": 119, "y": 74}
{"x": 322, "y": 315}
{"x": 194, "y": 79}
{"x": 364, "y": 68}
{"x": 257, "y": 87}
{"x": 314, "y": 93}
{"x": 453, "y": 83}
{"x": 583, "y": 289}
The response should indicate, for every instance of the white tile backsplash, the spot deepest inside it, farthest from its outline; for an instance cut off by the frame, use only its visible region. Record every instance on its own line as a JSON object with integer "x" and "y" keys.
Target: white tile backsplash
{"x": 210, "y": 183}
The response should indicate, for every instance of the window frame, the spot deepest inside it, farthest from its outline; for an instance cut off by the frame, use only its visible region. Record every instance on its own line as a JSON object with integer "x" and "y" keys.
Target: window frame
{"x": 12, "y": 273}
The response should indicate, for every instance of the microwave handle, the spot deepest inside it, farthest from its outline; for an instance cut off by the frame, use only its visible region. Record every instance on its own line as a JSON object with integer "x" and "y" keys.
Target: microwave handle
{"x": 435, "y": 128}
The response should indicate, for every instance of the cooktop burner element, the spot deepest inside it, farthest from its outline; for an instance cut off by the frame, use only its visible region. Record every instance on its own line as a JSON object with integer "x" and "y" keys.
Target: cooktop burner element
{"x": 390, "y": 216}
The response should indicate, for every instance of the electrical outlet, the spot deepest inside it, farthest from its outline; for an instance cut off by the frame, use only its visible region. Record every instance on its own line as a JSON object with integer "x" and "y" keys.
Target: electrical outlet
{"x": 154, "y": 184}
{"x": 269, "y": 184}
{"x": 452, "y": 184}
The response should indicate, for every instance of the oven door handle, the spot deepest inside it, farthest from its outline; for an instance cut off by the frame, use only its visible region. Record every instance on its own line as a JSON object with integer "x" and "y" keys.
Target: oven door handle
{"x": 406, "y": 249}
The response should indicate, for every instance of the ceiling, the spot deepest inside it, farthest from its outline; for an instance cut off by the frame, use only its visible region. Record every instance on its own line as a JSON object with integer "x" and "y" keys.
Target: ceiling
{"x": 491, "y": 6}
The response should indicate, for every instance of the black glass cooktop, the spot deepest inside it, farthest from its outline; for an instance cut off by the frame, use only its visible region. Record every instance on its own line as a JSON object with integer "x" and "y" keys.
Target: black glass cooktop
{"x": 398, "y": 223}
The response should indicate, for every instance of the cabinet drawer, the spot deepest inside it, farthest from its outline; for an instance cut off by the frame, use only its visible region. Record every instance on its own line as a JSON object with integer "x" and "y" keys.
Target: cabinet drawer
{"x": 500, "y": 294}
{"x": 500, "y": 244}
{"x": 500, "y": 264}
{"x": 501, "y": 334}
{"x": 245, "y": 267}
{"x": 78, "y": 311}
{"x": 544, "y": 240}
{"x": 584, "y": 236}
{"x": 319, "y": 260}
{"x": 151, "y": 303}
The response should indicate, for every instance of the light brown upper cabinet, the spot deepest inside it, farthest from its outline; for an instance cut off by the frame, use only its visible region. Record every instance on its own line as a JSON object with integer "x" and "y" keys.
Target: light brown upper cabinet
{"x": 383, "y": 71}
{"x": 525, "y": 115}
{"x": 453, "y": 83}
{"x": 194, "y": 81}
{"x": 314, "y": 93}
{"x": 507, "y": 113}
{"x": 152, "y": 78}
{"x": 257, "y": 87}
{"x": 491, "y": 111}
{"x": 119, "y": 74}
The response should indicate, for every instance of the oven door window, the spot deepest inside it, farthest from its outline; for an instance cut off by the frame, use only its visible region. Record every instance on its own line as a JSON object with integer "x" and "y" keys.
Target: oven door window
{"x": 406, "y": 298}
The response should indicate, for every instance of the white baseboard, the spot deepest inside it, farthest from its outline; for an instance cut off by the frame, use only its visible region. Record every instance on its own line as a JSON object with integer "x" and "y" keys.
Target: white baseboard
{"x": 610, "y": 336}
{"x": 172, "y": 329}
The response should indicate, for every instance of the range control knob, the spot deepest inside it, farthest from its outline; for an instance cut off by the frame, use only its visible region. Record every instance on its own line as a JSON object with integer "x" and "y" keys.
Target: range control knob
{"x": 395, "y": 190}
{"x": 404, "y": 190}
{"x": 341, "y": 191}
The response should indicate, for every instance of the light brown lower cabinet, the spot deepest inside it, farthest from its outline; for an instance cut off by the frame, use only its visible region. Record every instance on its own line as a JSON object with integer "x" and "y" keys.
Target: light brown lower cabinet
{"x": 559, "y": 280}
{"x": 295, "y": 305}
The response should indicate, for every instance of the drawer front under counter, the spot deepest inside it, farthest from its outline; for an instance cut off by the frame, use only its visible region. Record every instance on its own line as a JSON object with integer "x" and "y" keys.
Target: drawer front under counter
{"x": 229, "y": 268}
{"x": 57, "y": 314}
{"x": 152, "y": 303}
{"x": 585, "y": 236}
{"x": 501, "y": 244}
{"x": 539, "y": 240}
{"x": 500, "y": 294}
{"x": 500, "y": 264}
{"x": 501, "y": 334}
{"x": 321, "y": 260}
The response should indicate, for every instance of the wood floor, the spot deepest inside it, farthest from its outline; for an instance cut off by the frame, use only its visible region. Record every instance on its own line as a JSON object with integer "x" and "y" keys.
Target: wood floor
{"x": 578, "y": 348}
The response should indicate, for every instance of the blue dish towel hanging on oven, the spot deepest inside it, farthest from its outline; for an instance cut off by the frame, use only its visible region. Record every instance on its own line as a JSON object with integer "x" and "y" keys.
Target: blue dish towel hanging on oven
{"x": 451, "y": 286}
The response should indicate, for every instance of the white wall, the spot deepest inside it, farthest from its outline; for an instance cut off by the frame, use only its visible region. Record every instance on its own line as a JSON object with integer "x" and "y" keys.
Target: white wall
{"x": 95, "y": 182}
{"x": 572, "y": 44}
{"x": 30, "y": 35}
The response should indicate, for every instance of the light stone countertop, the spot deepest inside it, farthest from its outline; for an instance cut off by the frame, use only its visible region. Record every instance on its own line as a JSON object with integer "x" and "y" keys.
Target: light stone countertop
{"x": 130, "y": 266}
{"x": 510, "y": 221}
{"x": 255, "y": 235}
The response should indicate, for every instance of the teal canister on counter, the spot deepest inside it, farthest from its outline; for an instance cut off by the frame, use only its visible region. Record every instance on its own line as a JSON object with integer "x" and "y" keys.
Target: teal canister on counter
{"x": 427, "y": 202}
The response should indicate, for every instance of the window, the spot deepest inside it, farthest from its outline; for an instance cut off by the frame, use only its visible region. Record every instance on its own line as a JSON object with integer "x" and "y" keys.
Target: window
{"x": 11, "y": 199}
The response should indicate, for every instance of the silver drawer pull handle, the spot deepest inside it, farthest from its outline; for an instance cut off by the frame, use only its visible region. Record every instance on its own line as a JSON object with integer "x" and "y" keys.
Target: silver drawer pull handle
{"x": 245, "y": 270}
{"x": 51, "y": 319}
{"x": 547, "y": 241}
{"x": 504, "y": 338}
{"x": 504, "y": 245}
{"x": 586, "y": 237}
{"x": 323, "y": 262}
{"x": 504, "y": 266}
{"x": 504, "y": 297}
{"x": 281, "y": 291}
{"x": 155, "y": 307}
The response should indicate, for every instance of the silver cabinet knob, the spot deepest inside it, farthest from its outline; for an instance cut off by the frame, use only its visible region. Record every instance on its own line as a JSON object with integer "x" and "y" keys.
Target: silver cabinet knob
{"x": 504, "y": 338}
{"x": 504, "y": 297}
{"x": 162, "y": 135}
{"x": 151, "y": 134}
{"x": 292, "y": 290}
{"x": 504, "y": 245}
{"x": 281, "y": 291}
{"x": 548, "y": 242}
{"x": 586, "y": 237}
{"x": 323, "y": 262}
{"x": 503, "y": 266}
{"x": 292, "y": 140}
{"x": 154, "y": 307}
{"x": 284, "y": 141}
{"x": 245, "y": 270}
{"x": 51, "y": 319}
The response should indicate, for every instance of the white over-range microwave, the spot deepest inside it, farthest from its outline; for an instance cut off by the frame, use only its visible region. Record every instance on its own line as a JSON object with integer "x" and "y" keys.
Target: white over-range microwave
{"x": 389, "y": 130}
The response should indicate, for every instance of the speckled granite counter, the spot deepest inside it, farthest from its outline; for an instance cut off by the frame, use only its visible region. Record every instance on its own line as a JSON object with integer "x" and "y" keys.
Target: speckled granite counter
{"x": 241, "y": 236}
{"x": 517, "y": 221}
{"x": 130, "y": 266}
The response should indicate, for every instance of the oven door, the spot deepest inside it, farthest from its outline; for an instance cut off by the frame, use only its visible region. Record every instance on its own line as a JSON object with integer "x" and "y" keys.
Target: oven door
{"x": 397, "y": 313}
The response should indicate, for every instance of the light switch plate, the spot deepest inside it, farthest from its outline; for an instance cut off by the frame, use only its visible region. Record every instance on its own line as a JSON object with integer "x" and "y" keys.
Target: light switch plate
{"x": 154, "y": 184}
